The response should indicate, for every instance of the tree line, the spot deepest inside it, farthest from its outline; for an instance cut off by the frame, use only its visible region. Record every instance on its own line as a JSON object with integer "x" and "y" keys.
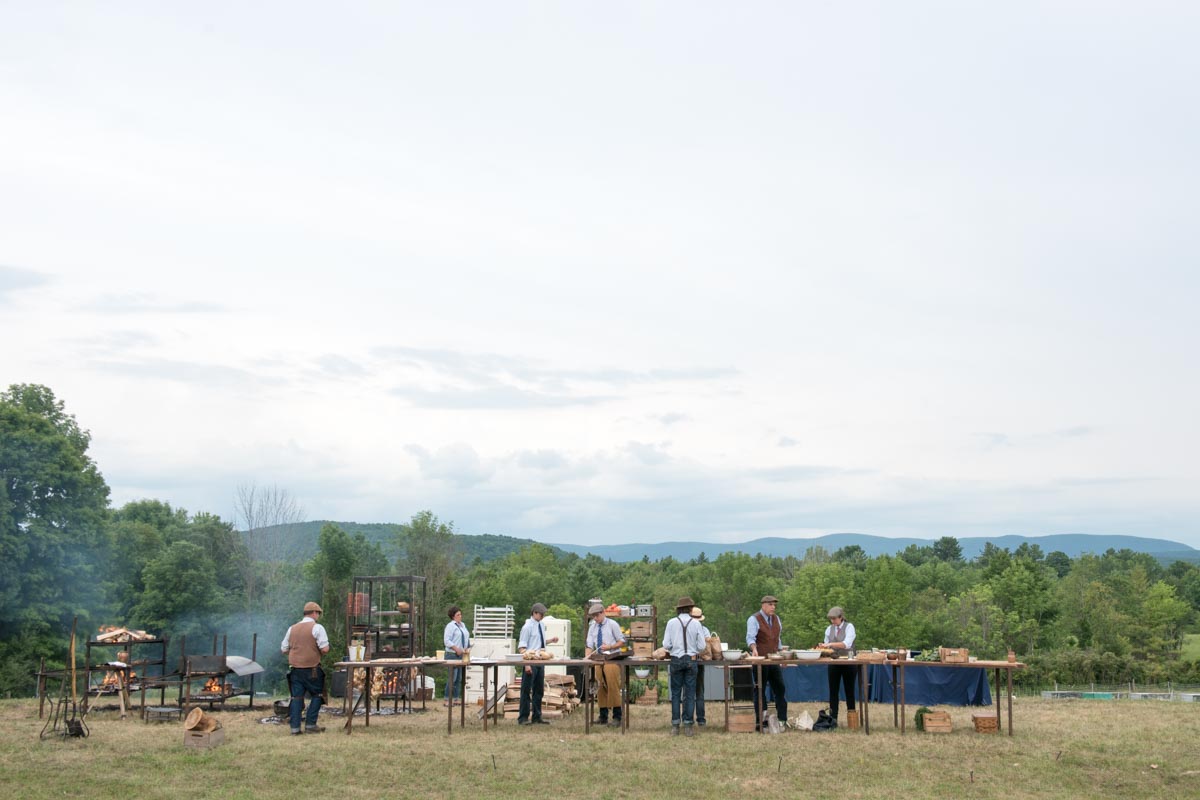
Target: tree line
{"x": 66, "y": 553}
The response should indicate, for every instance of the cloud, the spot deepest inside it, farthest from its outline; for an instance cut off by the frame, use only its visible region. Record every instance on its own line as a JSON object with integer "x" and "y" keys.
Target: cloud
{"x": 189, "y": 372}
{"x": 440, "y": 378}
{"x": 336, "y": 366}
{"x": 457, "y": 464}
{"x": 671, "y": 418}
{"x": 786, "y": 441}
{"x": 13, "y": 280}
{"x": 649, "y": 454}
{"x": 143, "y": 303}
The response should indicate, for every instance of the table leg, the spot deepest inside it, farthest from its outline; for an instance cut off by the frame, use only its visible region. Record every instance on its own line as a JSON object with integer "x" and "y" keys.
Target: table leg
{"x": 895, "y": 698}
{"x": 624, "y": 699}
{"x": 486, "y": 698}
{"x": 864, "y": 673}
{"x": 496, "y": 705}
{"x": 1009, "y": 671}
{"x": 903, "y": 710}
{"x": 450, "y": 672}
{"x": 725, "y": 681}
{"x": 996, "y": 694}
{"x": 462, "y": 710}
{"x": 762, "y": 697}
{"x": 367, "y": 697}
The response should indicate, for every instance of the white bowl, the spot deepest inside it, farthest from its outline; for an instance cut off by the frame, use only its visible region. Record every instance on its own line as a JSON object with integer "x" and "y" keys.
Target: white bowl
{"x": 808, "y": 655}
{"x": 733, "y": 655}
{"x": 513, "y": 657}
{"x": 642, "y": 672}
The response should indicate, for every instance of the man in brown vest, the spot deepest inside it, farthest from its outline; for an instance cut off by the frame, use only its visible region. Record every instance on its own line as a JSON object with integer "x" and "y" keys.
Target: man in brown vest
{"x": 304, "y": 644}
{"x": 763, "y": 631}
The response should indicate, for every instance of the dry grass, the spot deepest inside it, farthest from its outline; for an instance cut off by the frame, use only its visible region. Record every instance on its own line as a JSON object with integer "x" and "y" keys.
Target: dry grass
{"x": 1069, "y": 748}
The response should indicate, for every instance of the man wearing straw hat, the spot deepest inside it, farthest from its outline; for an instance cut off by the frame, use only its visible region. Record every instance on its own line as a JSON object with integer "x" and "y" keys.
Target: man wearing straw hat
{"x": 304, "y": 644}
{"x": 604, "y": 635}
{"x": 698, "y": 616}
{"x": 684, "y": 640}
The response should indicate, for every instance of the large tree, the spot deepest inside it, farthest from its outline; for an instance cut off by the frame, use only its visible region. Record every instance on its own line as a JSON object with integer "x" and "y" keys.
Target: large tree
{"x": 430, "y": 549}
{"x": 52, "y": 505}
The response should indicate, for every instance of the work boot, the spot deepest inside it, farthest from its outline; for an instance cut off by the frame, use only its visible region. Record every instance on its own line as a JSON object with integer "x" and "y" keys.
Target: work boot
{"x": 314, "y": 728}
{"x": 296, "y": 731}
{"x": 540, "y": 721}
{"x": 689, "y": 730}
{"x": 674, "y": 730}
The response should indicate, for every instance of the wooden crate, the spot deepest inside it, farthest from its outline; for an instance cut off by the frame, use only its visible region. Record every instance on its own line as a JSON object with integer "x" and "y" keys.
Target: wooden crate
{"x": 641, "y": 628}
{"x": 852, "y": 719}
{"x": 643, "y": 649}
{"x": 741, "y": 723}
{"x": 203, "y": 739}
{"x": 953, "y": 655}
{"x": 937, "y": 722}
{"x": 985, "y": 723}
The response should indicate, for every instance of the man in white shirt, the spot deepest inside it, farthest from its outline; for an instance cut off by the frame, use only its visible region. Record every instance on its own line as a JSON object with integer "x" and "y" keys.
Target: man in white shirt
{"x": 684, "y": 640}
{"x": 304, "y": 644}
{"x": 533, "y": 637}
{"x": 839, "y": 636}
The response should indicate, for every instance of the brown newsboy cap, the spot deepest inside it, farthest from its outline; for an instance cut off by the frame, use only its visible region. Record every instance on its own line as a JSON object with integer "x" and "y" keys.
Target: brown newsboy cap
{"x": 310, "y": 606}
{"x": 770, "y": 598}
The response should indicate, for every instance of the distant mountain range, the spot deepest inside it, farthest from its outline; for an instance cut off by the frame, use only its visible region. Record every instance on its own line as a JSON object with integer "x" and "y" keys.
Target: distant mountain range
{"x": 302, "y": 544}
{"x": 1073, "y": 544}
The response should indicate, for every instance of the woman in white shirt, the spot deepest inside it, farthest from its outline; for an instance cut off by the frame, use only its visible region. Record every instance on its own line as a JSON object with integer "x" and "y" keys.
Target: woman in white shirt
{"x": 457, "y": 641}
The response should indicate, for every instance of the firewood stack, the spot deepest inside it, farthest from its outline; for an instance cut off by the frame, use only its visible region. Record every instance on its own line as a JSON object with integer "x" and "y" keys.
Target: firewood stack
{"x": 112, "y": 633}
{"x": 559, "y": 698}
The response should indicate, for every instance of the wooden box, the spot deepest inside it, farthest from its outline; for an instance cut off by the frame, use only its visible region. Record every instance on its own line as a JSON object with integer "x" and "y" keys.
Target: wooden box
{"x": 741, "y": 723}
{"x": 641, "y": 628}
{"x": 643, "y": 649}
{"x": 985, "y": 723}
{"x": 852, "y": 719}
{"x": 953, "y": 655}
{"x": 937, "y": 722}
{"x": 203, "y": 739}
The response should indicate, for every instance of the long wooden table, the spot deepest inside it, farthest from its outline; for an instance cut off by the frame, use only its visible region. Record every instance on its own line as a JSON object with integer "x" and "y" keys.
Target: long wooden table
{"x": 900, "y": 667}
{"x": 756, "y": 665}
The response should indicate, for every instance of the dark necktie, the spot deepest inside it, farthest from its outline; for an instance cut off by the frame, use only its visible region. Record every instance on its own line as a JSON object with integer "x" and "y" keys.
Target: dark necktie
{"x": 599, "y": 636}
{"x": 542, "y": 635}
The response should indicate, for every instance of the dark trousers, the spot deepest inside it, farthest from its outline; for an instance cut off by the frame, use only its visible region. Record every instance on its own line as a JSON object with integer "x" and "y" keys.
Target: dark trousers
{"x": 773, "y": 678}
{"x": 683, "y": 690}
{"x": 302, "y": 681}
{"x": 700, "y": 694}
{"x": 532, "y": 684}
{"x": 847, "y": 674}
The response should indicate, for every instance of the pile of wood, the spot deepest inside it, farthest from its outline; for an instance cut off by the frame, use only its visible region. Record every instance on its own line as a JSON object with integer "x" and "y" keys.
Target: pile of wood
{"x": 111, "y": 633}
{"x": 559, "y": 698}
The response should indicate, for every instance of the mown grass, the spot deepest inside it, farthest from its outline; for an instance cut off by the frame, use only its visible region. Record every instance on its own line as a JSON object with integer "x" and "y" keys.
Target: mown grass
{"x": 1067, "y": 748}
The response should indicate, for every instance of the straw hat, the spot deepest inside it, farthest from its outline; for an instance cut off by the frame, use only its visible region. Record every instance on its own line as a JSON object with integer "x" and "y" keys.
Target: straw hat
{"x": 697, "y": 613}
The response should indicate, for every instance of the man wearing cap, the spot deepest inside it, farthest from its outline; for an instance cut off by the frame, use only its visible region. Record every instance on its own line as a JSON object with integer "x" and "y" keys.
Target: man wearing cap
{"x": 763, "y": 631}
{"x": 304, "y": 644}
{"x": 533, "y": 637}
{"x": 839, "y": 636}
{"x": 684, "y": 640}
{"x": 604, "y": 635}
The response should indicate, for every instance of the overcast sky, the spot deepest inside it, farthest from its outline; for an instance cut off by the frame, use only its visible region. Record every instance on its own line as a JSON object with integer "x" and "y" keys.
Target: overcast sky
{"x": 613, "y": 272}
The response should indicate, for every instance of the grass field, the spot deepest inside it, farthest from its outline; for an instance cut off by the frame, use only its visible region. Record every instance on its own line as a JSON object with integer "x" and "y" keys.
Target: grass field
{"x": 1068, "y": 748}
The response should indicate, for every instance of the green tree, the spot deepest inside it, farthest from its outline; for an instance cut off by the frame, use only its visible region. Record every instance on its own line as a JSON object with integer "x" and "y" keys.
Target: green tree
{"x": 182, "y": 595}
{"x": 52, "y": 505}
{"x": 429, "y": 548}
{"x": 948, "y": 549}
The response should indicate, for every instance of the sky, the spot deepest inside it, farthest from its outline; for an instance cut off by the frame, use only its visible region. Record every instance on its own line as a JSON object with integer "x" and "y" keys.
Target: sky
{"x": 617, "y": 272}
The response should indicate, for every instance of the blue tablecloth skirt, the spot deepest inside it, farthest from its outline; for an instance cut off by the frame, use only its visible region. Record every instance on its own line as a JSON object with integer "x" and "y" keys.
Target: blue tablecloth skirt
{"x": 924, "y": 686}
